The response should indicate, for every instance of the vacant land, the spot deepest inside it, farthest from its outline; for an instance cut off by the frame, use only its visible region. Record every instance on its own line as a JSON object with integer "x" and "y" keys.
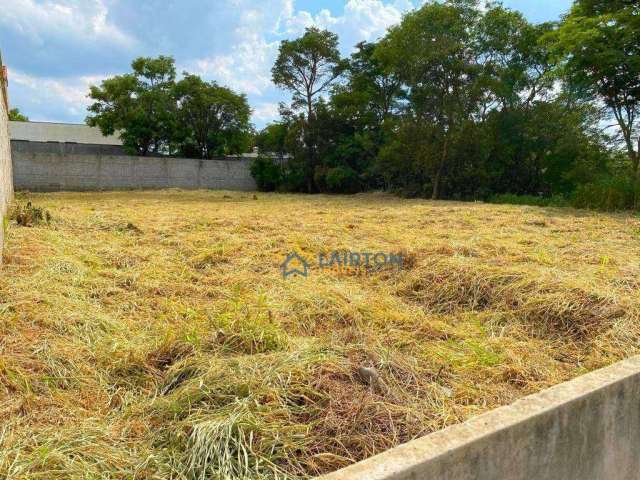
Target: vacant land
{"x": 152, "y": 335}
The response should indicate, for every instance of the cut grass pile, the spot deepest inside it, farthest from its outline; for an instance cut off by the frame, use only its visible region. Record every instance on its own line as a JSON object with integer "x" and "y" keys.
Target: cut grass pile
{"x": 151, "y": 334}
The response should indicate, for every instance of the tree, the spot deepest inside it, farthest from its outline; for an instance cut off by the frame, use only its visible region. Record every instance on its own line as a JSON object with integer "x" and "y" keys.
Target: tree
{"x": 517, "y": 65}
{"x": 273, "y": 139}
{"x": 598, "y": 53}
{"x": 213, "y": 120}
{"x": 139, "y": 106}
{"x": 479, "y": 110}
{"x": 381, "y": 90}
{"x": 307, "y": 67}
{"x": 16, "y": 116}
{"x": 433, "y": 52}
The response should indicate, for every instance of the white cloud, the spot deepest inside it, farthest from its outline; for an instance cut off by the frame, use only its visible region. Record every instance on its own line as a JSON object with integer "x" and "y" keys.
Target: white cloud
{"x": 72, "y": 38}
{"x": 68, "y": 93}
{"x": 246, "y": 69}
{"x": 266, "y": 112}
{"x": 71, "y": 19}
{"x": 254, "y": 41}
{"x": 369, "y": 19}
{"x": 360, "y": 20}
{"x": 296, "y": 24}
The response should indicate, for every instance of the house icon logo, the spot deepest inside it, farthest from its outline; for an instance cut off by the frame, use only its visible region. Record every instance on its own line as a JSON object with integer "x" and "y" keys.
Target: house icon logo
{"x": 294, "y": 265}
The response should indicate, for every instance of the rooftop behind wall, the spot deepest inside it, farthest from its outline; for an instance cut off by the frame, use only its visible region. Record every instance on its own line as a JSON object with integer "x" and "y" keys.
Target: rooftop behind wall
{"x": 60, "y": 132}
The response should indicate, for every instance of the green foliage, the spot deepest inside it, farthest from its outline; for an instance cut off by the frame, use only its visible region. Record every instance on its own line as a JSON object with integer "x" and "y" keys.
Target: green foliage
{"x": 342, "y": 179}
{"x": 267, "y": 173}
{"x": 16, "y": 116}
{"x": 272, "y": 140}
{"x": 598, "y": 51}
{"x": 374, "y": 92}
{"x": 155, "y": 115}
{"x": 433, "y": 52}
{"x": 608, "y": 193}
{"x": 29, "y": 216}
{"x": 139, "y": 106}
{"x": 454, "y": 102}
{"x": 511, "y": 199}
{"x": 307, "y": 67}
{"x": 213, "y": 120}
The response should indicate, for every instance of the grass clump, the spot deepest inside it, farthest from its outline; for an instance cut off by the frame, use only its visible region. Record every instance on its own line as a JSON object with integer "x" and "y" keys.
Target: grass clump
{"x": 608, "y": 194}
{"x": 537, "y": 201}
{"x": 550, "y": 309}
{"x": 151, "y": 335}
{"x": 28, "y": 215}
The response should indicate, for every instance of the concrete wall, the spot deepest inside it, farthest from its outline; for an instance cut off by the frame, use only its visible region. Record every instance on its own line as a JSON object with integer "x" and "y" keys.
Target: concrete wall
{"x": 60, "y": 132}
{"x": 60, "y": 166}
{"x": 586, "y": 429}
{"x": 6, "y": 184}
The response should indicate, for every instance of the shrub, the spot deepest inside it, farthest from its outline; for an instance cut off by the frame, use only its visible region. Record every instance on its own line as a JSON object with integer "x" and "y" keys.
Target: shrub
{"x": 512, "y": 199}
{"x": 267, "y": 174}
{"x": 293, "y": 179}
{"x": 28, "y": 215}
{"x": 342, "y": 179}
{"x": 608, "y": 193}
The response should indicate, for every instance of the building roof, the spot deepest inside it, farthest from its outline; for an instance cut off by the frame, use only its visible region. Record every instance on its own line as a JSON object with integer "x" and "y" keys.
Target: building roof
{"x": 60, "y": 132}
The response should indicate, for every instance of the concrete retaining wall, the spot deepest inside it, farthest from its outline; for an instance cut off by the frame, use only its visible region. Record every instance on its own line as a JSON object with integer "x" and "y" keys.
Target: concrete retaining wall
{"x": 6, "y": 184}
{"x": 585, "y": 429}
{"x": 64, "y": 166}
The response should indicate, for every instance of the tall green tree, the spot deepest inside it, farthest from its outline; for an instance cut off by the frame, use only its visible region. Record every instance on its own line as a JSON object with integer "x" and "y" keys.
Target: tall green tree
{"x": 16, "y": 116}
{"x": 380, "y": 90}
{"x": 598, "y": 51}
{"x": 213, "y": 120}
{"x": 433, "y": 52}
{"x": 273, "y": 139}
{"x": 307, "y": 67}
{"x": 139, "y": 106}
{"x": 516, "y": 65}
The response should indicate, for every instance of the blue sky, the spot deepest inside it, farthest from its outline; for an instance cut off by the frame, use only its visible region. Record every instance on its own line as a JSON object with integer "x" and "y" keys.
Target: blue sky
{"x": 55, "y": 49}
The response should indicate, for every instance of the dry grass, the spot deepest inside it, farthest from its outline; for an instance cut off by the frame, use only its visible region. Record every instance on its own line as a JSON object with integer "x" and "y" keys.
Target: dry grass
{"x": 151, "y": 334}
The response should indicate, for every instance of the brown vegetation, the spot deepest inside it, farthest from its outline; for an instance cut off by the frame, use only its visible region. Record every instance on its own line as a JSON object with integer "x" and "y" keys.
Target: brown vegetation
{"x": 151, "y": 334}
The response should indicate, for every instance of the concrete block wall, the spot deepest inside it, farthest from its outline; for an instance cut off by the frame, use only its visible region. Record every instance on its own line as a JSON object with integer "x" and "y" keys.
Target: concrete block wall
{"x": 585, "y": 429}
{"x": 60, "y": 166}
{"x": 6, "y": 177}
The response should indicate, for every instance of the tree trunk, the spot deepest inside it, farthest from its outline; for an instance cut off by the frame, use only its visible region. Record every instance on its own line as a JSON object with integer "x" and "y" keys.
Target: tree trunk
{"x": 436, "y": 181}
{"x": 310, "y": 168}
{"x": 634, "y": 155}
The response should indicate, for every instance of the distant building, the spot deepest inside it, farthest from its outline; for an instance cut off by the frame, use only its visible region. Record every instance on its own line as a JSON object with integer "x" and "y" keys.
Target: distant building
{"x": 42, "y": 137}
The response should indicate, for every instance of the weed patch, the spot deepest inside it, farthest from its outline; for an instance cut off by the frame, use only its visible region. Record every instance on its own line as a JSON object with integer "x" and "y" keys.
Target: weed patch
{"x": 152, "y": 334}
{"x": 28, "y": 215}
